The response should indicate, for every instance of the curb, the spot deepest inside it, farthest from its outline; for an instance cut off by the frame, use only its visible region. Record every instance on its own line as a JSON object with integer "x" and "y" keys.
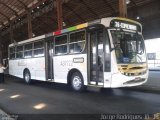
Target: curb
{"x": 154, "y": 70}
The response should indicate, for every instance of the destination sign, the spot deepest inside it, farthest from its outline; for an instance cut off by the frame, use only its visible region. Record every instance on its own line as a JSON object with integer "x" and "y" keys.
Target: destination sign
{"x": 125, "y": 26}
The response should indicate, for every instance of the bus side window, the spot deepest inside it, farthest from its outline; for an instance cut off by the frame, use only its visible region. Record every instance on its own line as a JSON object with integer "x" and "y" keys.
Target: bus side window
{"x": 12, "y": 53}
{"x": 28, "y": 50}
{"x": 19, "y": 52}
{"x": 38, "y": 49}
{"x": 61, "y": 45}
{"x": 77, "y": 42}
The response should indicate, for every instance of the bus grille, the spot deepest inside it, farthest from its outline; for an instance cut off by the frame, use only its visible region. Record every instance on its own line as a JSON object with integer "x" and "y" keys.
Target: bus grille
{"x": 134, "y": 81}
{"x": 135, "y": 74}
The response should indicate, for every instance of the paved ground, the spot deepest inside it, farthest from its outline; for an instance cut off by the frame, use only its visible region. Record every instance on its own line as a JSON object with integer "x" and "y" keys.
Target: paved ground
{"x": 48, "y": 98}
{"x": 154, "y": 79}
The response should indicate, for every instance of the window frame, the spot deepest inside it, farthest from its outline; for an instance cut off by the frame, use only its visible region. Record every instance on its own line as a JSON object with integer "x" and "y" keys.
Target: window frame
{"x": 27, "y": 44}
{"x": 60, "y": 44}
{"x": 77, "y": 41}
{"x": 33, "y": 49}
{"x": 28, "y": 50}
{"x": 12, "y": 52}
{"x": 19, "y": 51}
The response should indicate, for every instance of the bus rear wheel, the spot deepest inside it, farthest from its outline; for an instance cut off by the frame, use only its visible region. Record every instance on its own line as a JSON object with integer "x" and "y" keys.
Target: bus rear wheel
{"x": 77, "y": 82}
{"x": 27, "y": 77}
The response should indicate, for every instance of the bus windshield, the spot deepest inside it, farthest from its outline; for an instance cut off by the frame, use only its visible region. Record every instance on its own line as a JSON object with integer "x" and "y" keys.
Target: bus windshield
{"x": 129, "y": 47}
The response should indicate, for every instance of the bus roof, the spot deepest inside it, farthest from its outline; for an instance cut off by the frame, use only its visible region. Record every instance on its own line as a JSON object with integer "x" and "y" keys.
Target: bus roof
{"x": 104, "y": 21}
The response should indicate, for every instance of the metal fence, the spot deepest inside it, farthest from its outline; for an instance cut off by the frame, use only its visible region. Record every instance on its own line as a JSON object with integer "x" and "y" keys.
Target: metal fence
{"x": 154, "y": 60}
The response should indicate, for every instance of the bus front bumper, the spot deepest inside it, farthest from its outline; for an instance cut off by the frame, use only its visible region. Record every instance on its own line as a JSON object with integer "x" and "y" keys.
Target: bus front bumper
{"x": 120, "y": 80}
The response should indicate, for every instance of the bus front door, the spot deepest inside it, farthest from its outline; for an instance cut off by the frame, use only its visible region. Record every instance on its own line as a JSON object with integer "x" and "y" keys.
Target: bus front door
{"x": 96, "y": 57}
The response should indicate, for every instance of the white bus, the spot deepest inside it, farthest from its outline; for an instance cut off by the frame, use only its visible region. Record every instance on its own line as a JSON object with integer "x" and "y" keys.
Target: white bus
{"x": 106, "y": 53}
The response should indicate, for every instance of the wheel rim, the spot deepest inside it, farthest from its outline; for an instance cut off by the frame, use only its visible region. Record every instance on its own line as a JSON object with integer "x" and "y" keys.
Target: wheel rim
{"x": 77, "y": 82}
{"x": 27, "y": 77}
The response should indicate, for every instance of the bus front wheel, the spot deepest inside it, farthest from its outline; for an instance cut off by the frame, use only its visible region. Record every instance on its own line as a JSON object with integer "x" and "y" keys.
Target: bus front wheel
{"x": 27, "y": 77}
{"x": 77, "y": 82}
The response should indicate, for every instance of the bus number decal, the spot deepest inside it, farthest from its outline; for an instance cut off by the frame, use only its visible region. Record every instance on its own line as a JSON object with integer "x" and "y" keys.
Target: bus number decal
{"x": 66, "y": 63}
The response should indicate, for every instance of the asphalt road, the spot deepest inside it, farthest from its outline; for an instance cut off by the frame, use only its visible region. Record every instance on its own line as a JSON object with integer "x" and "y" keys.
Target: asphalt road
{"x": 16, "y": 97}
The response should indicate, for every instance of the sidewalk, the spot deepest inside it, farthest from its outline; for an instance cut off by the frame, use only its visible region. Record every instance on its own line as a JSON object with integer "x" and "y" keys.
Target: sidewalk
{"x": 5, "y": 116}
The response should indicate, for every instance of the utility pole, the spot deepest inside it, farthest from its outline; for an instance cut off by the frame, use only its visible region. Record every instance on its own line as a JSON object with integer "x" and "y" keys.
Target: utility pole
{"x": 0, "y": 49}
{"x": 59, "y": 14}
{"x": 29, "y": 16}
{"x": 122, "y": 8}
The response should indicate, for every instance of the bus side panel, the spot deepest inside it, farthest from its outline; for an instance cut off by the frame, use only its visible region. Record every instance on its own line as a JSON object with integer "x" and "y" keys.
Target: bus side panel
{"x": 63, "y": 64}
{"x": 36, "y": 67}
{"x": 15, "y": 68}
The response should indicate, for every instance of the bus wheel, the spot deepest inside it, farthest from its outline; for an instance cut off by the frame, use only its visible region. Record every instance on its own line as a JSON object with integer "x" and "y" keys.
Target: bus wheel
{"x": 27, "y": 77}
{"x": 77, "y": 82}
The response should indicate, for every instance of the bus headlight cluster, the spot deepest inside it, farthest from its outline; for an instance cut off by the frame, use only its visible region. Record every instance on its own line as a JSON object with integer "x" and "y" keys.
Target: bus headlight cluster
{"x": 128, "y": 74}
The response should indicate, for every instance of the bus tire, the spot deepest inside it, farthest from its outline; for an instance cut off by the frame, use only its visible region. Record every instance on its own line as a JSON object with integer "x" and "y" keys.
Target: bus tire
{"x": 77, "y": 82}
{"x": 27, "y": 76}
